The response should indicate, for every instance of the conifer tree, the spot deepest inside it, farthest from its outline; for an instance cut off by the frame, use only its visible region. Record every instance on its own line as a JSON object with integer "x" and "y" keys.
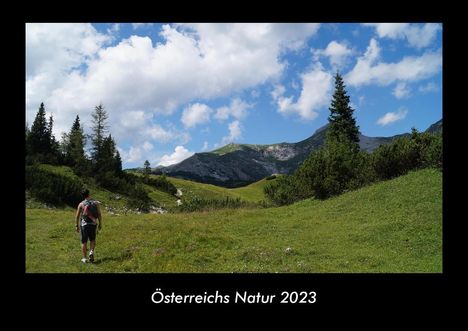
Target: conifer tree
{"x": 343, "y": 126}
{"x": 146, "y": 169}
{"x": 38, "y": 139}
{"x": 74, "y": 143}
{"x": 99, "y": 130}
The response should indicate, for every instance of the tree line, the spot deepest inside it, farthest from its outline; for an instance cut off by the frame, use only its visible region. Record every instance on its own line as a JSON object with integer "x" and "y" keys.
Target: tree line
{"x": 340, "y": 165}
{"x": 42, "y": 146}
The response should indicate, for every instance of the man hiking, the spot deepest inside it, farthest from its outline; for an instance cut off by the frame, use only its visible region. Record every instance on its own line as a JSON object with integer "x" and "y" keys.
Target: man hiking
{"x": 89, "y": 212}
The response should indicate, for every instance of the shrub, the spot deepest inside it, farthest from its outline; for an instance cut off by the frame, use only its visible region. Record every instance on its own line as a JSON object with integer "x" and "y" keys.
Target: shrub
{"x": 270, "y": 177}
{"x": 283, "y": 191}
{"x": 161, "y": 183}
{"x": 433, "y": 156}
{"x": 333, "y": 169}
{"x": 52, "y": 187}
{"x": 420, "y": 150}
{"x": 138, "y": 198}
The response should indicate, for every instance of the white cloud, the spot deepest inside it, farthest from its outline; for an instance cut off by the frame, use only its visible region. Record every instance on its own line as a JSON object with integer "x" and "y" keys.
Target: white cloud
{"x": 134, "y": 154}
{"x": 255, "y": 94}
{"x": 162, "y": 135}
{"x": 236, "y": 109}
{"x": 392, "y": 117}
{"x": 315, "y": 93}
{"x": 411, "y": 68}
{"x": 71, "y": 69}
{"x": 141, "y": 25}
{"x": 336, "y": 52}
{"x": 278, "y": 91}
{"x": 205, "y": 146}
{"x": 197, "y": 113}
{"x": 114, "y": 28}
{"x": 429, "y": 87}
{"x": 235, "y": 132}
{"x": 361, "y": 100}
{"x": 180, "y": 154}
{"x": 147, "y": 146}
{"x": 418, "y": 36}
{"x": 401, "y": 91}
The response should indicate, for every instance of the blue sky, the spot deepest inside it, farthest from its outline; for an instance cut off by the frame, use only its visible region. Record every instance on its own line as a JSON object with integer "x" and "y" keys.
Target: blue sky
{"x": 172, "y": 90}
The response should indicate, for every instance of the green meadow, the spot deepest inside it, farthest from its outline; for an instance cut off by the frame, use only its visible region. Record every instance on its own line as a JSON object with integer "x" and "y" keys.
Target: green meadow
{"x": 390, "y": 226}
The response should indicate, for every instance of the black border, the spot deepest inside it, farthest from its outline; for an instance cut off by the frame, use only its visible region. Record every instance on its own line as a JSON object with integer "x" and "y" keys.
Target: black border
{"x": 401, "y": 293}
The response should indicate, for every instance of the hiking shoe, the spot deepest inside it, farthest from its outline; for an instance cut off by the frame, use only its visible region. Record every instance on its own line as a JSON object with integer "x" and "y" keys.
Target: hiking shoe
{"x": 84, "y": 260}
{"x": 91, "y": 256}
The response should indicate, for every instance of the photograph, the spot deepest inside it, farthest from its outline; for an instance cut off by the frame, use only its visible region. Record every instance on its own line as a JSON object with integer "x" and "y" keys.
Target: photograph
{"x": 233, "y": 148}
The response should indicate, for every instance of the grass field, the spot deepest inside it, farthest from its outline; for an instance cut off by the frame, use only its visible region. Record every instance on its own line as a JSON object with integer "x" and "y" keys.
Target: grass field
{"x": 392, "y": 226}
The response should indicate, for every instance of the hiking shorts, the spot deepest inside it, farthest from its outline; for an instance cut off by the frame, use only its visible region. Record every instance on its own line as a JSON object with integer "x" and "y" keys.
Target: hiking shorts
{"x": 87, "y": 232}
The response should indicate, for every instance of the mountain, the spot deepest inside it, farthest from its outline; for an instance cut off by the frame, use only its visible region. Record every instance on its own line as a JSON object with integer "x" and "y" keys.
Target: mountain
{"x": 237, "y": 165}
{"x": 436, "y": 127}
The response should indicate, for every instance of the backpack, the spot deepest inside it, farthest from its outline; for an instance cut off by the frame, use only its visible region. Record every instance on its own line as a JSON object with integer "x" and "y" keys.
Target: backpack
{"x": 90, "y": 211}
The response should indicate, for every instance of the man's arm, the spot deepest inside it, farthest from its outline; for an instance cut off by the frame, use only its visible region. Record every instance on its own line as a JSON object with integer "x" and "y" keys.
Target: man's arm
{"x": 77, "y": 218}
{"x": 99, "y": 216}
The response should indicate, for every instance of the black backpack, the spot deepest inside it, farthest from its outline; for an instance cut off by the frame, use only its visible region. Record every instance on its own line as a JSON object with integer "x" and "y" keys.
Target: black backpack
{"x": 90, "y": 211}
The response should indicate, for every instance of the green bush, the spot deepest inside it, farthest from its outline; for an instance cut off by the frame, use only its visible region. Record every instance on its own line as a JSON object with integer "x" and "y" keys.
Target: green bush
{"x": 420, "y": 150}
{"x": 52, "y": 187}
{"x": 161, "y": 183}
{"x": 433, "y": 156}
{"x": 283, "y": 191}
{"x": 330, "y": 171}
{"x": 138, "y": 198}
{"x": 270, "y": 177}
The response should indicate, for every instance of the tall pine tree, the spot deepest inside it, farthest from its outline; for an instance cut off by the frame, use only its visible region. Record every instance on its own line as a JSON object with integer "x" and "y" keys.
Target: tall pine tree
{"x": 40, "y": 144}
{"x": 146, "y": 169}
{"x": 53, "y": 155}
{"x": 343, "y": 126}
{"x": 99, "y": 130}
{"x": 38, "y": 134}
{"x": 110, "y": 158}
{"x": 73, "y": 145}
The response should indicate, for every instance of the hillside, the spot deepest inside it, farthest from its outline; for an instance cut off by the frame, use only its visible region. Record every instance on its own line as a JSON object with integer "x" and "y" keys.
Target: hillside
{"x": 391, "y": 226}
{"x": 236, "y": 165}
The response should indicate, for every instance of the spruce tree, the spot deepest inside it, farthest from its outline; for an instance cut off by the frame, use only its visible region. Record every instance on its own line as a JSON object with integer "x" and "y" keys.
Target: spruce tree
{"x": 74, "y": 143}
{"x": 343, "y": 126}
{"x": 53, "y": 148}
{"x": 99, "y": 130}
{"x": 39, "y": 139}
{"x": 146, "y": 169}
{"x": 118, "y": 163}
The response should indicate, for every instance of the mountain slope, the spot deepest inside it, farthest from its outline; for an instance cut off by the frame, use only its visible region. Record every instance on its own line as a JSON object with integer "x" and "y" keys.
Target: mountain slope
{"x": 236, "y": 165}
{"x": 390, "y": 226}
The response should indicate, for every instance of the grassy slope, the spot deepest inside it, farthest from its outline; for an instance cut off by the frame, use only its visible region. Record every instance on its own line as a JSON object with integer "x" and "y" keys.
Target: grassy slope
{"x": 392, "y": 226}
{"x": 252, "y": 192}
{"x": 191, "y": 189}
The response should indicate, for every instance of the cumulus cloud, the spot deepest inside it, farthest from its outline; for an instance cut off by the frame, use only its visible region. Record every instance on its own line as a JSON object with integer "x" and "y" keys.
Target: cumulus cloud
{"x": 236, "y": 109}
{"x": 141, "y": 25}
{"x": 147, "y": 146}
{"x": 315, "y": 93}
{"x": 133, "y": 155}
{"x": 235, "y": 132}
{"x": 71, "y": 68}
{"x": 429, "y": 87}
{"x": 180, "y": 154}
{"x": 337, "y": 53}
{"x": 392, "y": 117}
{"x": 368, "y": 69}
{"x": 401, "y": 91}
{"x": 196, "y": 114}
{"x": 418, "y": 36}
{"x": 205, "y": 146}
